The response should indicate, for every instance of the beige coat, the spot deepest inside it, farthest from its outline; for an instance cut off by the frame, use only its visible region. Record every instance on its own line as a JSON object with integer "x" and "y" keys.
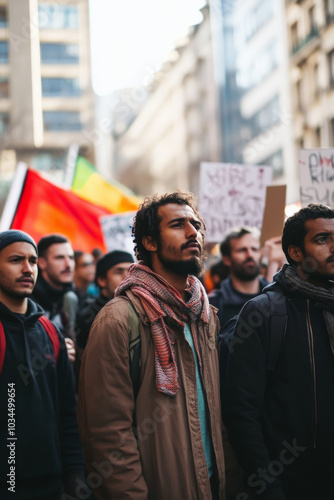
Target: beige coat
{"x": 167, "y": 462}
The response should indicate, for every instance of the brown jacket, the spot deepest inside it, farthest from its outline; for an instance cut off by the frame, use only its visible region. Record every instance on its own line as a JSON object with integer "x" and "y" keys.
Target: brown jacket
{"x": 167, "y": 460}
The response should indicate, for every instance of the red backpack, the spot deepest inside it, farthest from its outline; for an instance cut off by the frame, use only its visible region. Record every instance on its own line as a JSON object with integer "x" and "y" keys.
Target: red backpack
{"x": 50, "y": 330}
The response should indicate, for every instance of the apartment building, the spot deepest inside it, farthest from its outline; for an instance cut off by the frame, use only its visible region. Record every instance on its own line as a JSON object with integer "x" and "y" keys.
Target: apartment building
{"x": 178, "y": 127}
{"x": 311, "y": 42}
{"x": 255, "y": 103}
{"x": 46, "y": 99}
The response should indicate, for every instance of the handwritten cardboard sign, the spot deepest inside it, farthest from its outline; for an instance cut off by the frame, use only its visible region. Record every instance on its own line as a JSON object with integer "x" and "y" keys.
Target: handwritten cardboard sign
{"x": 316, "y": 168}
{"x": 273, "y": 216}
{"x": 232, "y": 195}
{"x": 116, "y": 231}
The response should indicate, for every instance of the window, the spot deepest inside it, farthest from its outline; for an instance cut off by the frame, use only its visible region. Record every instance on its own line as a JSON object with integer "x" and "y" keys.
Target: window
{"x": 329, "y": 11}
{"x": 266, "y": 117}
{"x": 4, "y": 123}
{"x": 60, "y": 87}
{"x": 58, "y": 17}
{"x": 316, "y": 85}
{"x": 299, "y": 95}
{"x": 4, "y": 87}
{"x": 3, "y": 18}
{"x": 3, "y": 52}
{"x": 276, "y": 161}
{"x": 59, "y": 53}
{"x": 312, "y": 20}
{"x": 260, "y": 67}
{"x": 330, "y": 59}
{"x": 294, "y": 37}
{"x": 57, "y": 121}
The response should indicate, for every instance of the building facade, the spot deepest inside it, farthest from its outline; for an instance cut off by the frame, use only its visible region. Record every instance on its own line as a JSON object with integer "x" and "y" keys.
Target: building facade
{"x": 46, "y": 99}
{"x": 179, "y": 125}
{"x": 311, "y": 42}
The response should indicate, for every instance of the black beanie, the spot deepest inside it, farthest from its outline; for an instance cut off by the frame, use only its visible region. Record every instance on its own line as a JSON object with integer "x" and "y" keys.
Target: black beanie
{"x": 14, "y": 235}
{"x": 111, "y": 259}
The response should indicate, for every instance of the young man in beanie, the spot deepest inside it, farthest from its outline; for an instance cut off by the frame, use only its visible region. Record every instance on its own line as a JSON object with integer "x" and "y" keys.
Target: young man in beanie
{"x": 40, "y": 451}
{"x": 111, "y": 269}
{"x": 166, "y": 442}
{"x": 280, "y": 418}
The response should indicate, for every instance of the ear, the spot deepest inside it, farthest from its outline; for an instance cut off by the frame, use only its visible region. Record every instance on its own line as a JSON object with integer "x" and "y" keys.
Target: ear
{"x": 102, "y": 282}
{"x": 226, "y": 260}
{"x": 42, "y": 263}
{"x": 295, "y": 253}
{"x": 149, "y": 243}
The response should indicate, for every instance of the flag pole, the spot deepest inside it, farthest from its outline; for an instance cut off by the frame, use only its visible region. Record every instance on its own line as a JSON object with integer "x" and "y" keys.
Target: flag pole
{"x": 71, "y": 161}
{"x": 13, "y": 196}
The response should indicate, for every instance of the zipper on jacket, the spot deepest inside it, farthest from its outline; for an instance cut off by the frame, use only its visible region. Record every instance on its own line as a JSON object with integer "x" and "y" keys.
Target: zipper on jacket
{"x": 314, "y": 375}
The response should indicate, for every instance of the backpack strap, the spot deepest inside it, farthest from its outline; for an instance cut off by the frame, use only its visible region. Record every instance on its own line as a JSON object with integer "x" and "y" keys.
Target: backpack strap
{"x": 134, "y": 348}
{"x": 278, "y": 325}
{"x": 52, "y": 333}
{"x": 2, "y": 346}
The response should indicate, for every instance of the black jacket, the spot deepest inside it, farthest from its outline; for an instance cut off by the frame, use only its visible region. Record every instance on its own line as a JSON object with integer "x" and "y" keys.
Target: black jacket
{"x": 281, "y": 423}
{"x": 85, "y": 318}
{"x": 229, "y": 301}
{"x": 45, "y": 447}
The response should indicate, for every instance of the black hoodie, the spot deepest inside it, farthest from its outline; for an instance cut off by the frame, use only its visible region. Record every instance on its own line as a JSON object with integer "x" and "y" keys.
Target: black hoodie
{"x": 281, "y": 423}
{"x": 38, "y": 431}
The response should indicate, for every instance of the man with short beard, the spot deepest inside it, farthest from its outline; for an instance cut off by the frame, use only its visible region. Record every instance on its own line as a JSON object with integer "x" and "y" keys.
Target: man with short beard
{"x": 280, "y": 418}
{"x": 240, "y": 250}
{"x": 166, "y": 441}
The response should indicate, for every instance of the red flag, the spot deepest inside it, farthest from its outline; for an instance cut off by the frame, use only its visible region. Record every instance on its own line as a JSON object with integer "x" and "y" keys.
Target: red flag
{"x": 44, "y": 208}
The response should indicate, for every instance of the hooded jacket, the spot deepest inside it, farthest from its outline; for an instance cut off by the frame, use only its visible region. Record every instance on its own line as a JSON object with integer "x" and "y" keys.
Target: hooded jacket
{"x": 38, "y": 431}
{"x": 281, "y": 423}
{"x": 229, "y": 301}
{"x": 167, "y": 459}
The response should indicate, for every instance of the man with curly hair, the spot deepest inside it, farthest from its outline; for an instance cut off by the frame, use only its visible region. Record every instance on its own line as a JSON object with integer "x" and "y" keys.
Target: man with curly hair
{"x": 165, "y": 441}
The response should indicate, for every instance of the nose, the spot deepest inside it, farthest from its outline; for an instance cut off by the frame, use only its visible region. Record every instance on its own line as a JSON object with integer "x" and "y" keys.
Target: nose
{"x": 191, "y": 231}
{"x": 28, "y": 267}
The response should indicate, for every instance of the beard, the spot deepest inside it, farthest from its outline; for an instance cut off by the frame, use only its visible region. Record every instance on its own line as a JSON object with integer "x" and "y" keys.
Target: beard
{"x": 15, "y": 295}
{"x": 193, "y": 266}
{"x": 245, "y": 273}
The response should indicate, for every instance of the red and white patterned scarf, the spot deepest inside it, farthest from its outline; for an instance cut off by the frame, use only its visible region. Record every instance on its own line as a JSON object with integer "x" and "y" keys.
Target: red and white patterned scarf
{"x": 160, "y": 300}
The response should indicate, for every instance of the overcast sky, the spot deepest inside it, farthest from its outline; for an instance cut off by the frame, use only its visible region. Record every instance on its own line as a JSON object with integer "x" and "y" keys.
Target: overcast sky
{"x": 130, "y": 38}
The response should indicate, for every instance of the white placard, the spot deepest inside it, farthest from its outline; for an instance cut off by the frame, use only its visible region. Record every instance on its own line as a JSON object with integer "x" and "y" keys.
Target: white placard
{"x": 116, "y": 231}
{"x": 316, "y": 167}
{"x": 232, "y": 195}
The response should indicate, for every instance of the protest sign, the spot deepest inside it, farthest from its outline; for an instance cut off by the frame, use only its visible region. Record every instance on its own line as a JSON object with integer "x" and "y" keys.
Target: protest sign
{"x": 316, "y": 167}
{"x": 232, "y": 195}
{"x": 273, "y": 216}
{"x": 116, "y": 231}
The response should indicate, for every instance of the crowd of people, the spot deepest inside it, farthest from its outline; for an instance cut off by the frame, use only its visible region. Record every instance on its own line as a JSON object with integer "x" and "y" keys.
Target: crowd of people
{"x": 121, "y": 378}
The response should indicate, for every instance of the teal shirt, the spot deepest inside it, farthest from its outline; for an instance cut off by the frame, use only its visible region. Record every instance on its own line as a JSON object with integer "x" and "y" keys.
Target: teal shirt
{"x": 206, "y": 438}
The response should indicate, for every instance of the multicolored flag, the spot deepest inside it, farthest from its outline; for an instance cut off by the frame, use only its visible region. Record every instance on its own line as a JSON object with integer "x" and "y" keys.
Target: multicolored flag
{"x": 40, "y": 207}
{"x": 90, "y": 185}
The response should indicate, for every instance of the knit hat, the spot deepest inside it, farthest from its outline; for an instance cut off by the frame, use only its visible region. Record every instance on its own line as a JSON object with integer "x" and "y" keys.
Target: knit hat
{"x": 111, "y": 259}
{"x": 14, "y": 235}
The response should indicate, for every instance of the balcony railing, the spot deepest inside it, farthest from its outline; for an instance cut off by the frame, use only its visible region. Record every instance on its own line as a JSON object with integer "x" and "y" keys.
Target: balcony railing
{"x": 314, "y": 33}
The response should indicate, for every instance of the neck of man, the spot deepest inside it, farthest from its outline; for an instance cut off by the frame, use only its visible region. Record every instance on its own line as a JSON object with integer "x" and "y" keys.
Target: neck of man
{"x": 53, "y": 285}
{"x": 177, "y": 281}
{"x": 313, "y": 279}
{"x": 16, "y": 305}
{"x": 249, "y": 287}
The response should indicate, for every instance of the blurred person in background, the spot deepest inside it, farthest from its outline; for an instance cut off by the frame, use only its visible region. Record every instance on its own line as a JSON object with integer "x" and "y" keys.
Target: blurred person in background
{"x": 84, "y": 274}
{"x": 111, "y": 269}
{"x": 54, "y": 287}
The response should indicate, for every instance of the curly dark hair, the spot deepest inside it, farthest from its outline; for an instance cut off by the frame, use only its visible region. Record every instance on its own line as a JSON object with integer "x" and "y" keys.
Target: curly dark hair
{"x": 147, "y": 221}
{"x": 294, "y": 230}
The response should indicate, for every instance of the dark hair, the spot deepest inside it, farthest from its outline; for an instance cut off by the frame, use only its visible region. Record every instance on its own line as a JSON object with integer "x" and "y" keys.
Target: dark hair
{"x": 236, "y": 233}
{"x": 147, "y": 221}
{"x": 77, "y": 255}
{"x": 45, "y": 242}
{"x": 294, "y": 230}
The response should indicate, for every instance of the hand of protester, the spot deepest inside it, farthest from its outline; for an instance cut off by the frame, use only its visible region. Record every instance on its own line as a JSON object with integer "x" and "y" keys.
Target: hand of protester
{"x": 274, "y": 255}
{"x": 70, "y": 349}
{"x": 273, "y": 250}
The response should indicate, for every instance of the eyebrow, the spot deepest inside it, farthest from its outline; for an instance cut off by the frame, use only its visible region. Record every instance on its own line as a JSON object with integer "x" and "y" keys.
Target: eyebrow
{"x": 323, "y": 233}
{"x": 182, "y": 219}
